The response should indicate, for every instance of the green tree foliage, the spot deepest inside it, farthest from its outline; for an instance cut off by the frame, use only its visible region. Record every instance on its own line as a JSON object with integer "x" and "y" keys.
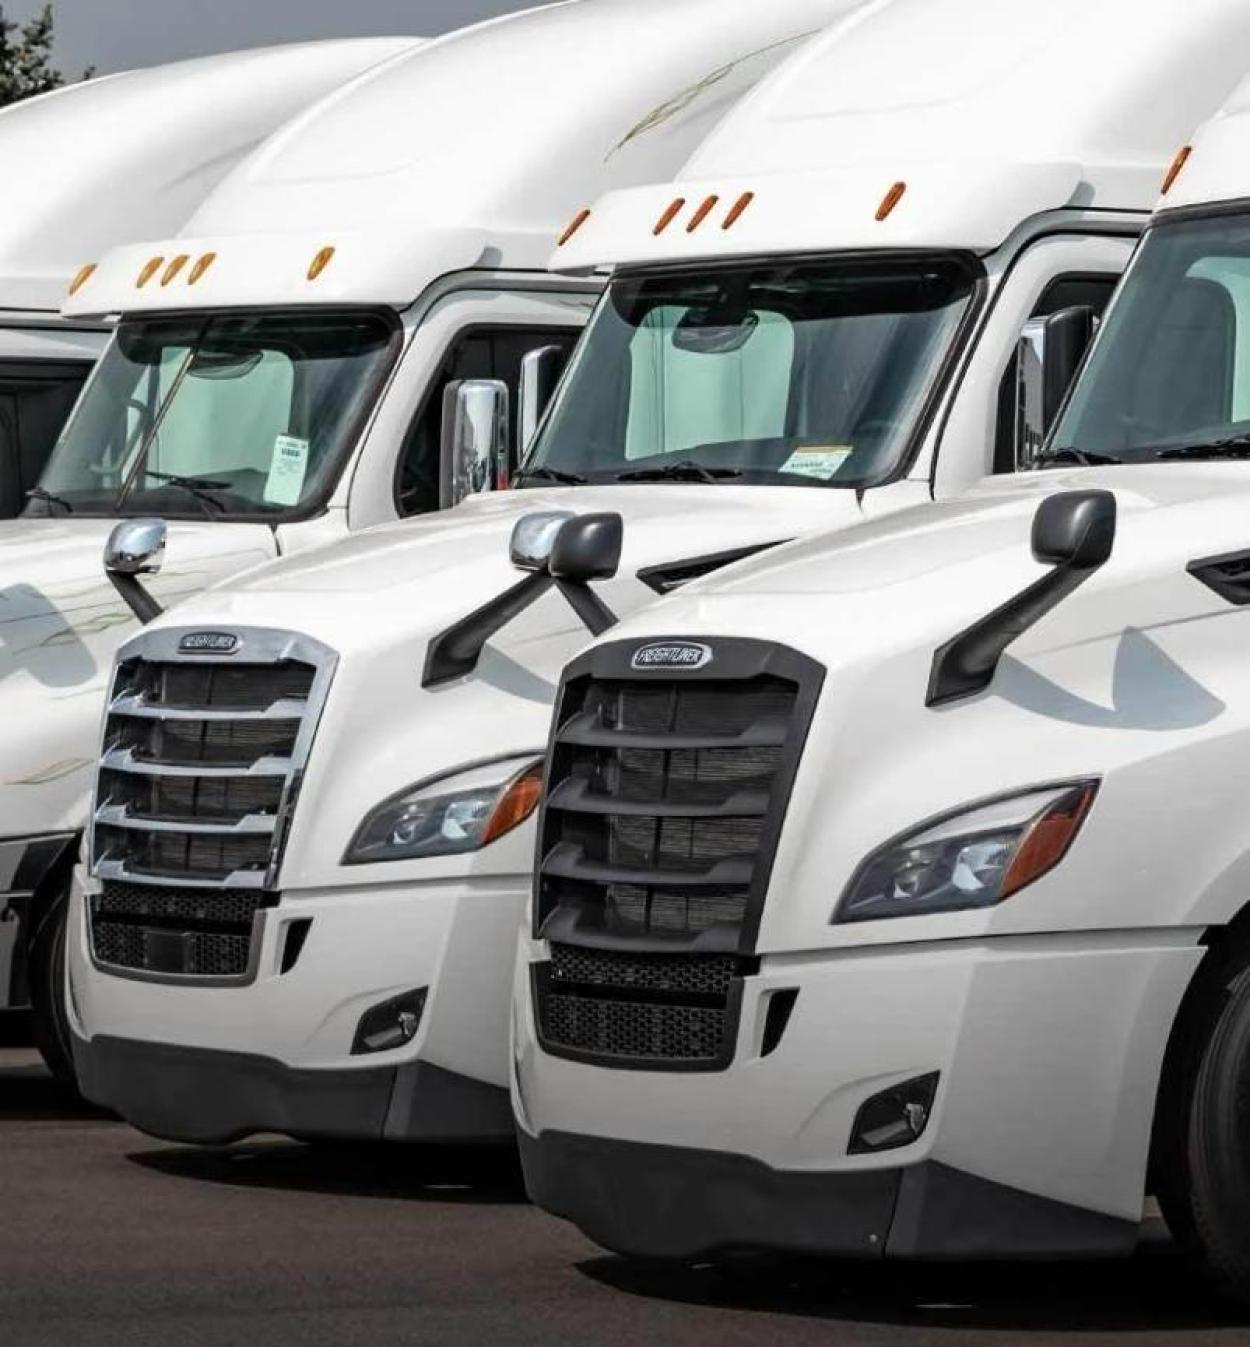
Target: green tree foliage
{"x": 26, "y": 65}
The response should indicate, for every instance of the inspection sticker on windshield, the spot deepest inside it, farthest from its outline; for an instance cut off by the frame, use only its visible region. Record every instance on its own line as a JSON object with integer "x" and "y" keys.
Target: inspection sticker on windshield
{"x": 287, "y": 471}
{"x": 817, "y": 460}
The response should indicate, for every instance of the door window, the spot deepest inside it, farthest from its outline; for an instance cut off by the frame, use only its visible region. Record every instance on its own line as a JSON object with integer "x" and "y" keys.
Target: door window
{"x": 36, "y": 398}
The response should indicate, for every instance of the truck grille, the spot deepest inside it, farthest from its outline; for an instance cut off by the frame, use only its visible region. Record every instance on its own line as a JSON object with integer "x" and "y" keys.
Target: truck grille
{"x": 197, "y": 782}
{"x": 664, "y": 802}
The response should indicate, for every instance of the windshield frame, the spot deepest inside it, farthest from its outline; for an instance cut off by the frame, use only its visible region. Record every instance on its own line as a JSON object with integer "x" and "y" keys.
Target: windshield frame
{"x": 1161, "y": 221}
{"x": 943, "y": 374}
{"x": 318, "y": 502}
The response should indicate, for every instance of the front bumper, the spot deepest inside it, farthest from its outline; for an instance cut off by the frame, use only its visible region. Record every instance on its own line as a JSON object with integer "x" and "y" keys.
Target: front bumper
{"x": 1049, "y": 1051}
{"x": 213, "y": 1063}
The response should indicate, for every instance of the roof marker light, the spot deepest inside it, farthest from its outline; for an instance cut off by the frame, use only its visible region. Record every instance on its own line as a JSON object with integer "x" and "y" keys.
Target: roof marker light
{"x": 669, "y": 216}
{"x": 890, "y": 200}
{"x": 702, "y": 213}
{"x": 575, "y": 224}
{"x": 174, "y": 268}
{"x": 82, "y": 278}
{"x": 150, "y": 268}
{"x": 737, "y": 210}
{"x": 1178, "y": 164}
{"x": 201, "y": 267}
{"x": 320, "y": 262}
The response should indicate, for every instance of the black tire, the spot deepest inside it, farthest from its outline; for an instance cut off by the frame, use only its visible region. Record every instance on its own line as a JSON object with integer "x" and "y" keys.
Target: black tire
{"x": 1203, "y": 1157}
{"x": 49, "y": 1014}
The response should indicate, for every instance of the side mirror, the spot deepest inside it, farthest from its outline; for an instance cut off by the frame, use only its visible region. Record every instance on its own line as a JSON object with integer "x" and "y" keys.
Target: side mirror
{"x": 540, "y": 373}
{"x": 534, "y": 536}
{"x": 1049, "y": 355}
{"x": 474, "y": 439}
{"x": 136, "y": 547}
{"x": 1073, "y": 531}
{"x": 588, "y": 548}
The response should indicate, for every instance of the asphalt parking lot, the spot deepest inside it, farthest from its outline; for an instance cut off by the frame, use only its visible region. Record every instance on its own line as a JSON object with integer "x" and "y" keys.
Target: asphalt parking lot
{"x": 109, "y": 1237}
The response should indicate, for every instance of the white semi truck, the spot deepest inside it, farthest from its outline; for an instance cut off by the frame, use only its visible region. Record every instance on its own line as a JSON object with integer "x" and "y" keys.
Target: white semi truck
{"x": 308, "y": 858}
{"x": 276, "y": 381}
{"x": 86, "y": 169}
{"x": 947, "y": 946}
{"x": 102, "y": 163}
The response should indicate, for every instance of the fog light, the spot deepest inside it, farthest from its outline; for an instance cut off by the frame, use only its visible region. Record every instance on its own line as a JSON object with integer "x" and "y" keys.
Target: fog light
{"x": 391, "y": 1024}
{"x": 895, "y": 1117}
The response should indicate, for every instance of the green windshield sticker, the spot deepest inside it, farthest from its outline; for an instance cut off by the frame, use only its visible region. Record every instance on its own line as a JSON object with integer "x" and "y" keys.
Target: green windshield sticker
{"x": 818, "y": 460}
{"x": 287, "y": 471}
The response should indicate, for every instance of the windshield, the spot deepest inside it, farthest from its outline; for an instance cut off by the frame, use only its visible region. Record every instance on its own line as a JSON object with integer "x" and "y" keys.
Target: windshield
{"x": 809, "y": 373}
{"x": 222, "y": 416}
{"x": 1169, "y": 377}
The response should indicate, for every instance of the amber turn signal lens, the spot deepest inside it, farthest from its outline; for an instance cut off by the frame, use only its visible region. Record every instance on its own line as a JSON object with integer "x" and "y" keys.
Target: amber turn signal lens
{"x": 151, "y": 267}
{"x": 82, "y": 278}
{"x": 516, "y": 804}
{"x": 1048, "y": 838}
{"x": 1178, "y": 164}
{"x": 578, "y": 220}
{"x": 319, "y": 263}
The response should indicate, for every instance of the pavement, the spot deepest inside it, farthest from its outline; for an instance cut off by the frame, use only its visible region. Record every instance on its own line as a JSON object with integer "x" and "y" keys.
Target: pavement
{"x": 109, "y": 1237}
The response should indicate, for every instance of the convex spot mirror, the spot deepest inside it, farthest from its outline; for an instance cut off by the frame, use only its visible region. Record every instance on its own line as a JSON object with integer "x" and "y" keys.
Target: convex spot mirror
{"x": 1075, "y": 529}
{"x": 533, "y": 538}
{"x": 475, "y": 436}
{"x": 135, "y": 547}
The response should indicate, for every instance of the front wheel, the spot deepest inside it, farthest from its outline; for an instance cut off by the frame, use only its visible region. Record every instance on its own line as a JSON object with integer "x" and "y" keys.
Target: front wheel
{"x": 49, "y": 1014}
{"x": 1204, "y": 1161}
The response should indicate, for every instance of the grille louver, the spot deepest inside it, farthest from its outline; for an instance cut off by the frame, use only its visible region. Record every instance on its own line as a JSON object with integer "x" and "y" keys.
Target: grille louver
{"x": 197, "y": 782}
{"x": 666, "y": 793}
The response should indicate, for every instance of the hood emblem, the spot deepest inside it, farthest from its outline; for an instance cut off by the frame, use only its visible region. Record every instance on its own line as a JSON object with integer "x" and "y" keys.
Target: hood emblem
{"x": 209, "y": 643}
{"x": 684, "y": 655}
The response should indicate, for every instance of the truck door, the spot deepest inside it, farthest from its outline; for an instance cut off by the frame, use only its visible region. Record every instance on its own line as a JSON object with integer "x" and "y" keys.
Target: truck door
{"x": 36, "y": 397}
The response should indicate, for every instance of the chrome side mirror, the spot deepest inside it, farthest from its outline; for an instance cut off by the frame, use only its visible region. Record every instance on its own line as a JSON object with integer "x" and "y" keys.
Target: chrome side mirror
{"x": 136, "y": 547}
{"x": 474, "y": 439}
{"x": 540, "y": 373}
{"x": 1050, "y": 353}
{"x": 534, "y": 536}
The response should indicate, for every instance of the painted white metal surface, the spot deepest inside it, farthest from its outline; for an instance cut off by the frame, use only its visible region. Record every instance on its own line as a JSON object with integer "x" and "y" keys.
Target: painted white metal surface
{"x": 1216, "y": 168}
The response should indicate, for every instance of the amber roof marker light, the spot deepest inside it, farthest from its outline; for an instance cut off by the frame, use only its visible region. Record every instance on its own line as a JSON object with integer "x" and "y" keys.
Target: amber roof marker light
{"x": 574, "y": 225}
{"x": 889, "y": 201}
{"x": 1177, "y": 168}
{"x": 82, "y": 278}
{"x": 738, "y": 210}
{"x": 174, "y": 268}
{"x": 201, "y": 267}
{"x": 150, "y": 268}
{"x": 320, "y": 262}
{"x": 708, "y": 206}
{"x": 674, "y": 210}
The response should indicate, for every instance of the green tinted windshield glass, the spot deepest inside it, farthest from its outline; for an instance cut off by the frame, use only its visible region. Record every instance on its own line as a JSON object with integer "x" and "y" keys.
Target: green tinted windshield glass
{"x": 1169, "y": 377}
{"x": 242, "y": 415}
{"x": 811, "y": 372}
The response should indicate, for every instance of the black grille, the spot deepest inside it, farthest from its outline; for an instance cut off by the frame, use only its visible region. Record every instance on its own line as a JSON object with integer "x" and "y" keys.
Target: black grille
{"x": 658, "y": 1011}
{"x": 204, "y": 933}
{"x": 201, "y": 743}
{"x": 218, "y": 687}
{"x": 189, "y": 855}
{"x": 665, "y": 800}
{"x": 202, "y": 799}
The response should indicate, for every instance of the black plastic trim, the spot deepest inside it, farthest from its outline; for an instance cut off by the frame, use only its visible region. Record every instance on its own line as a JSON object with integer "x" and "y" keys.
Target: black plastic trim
{"x": 1206, "y": 570}
{"x": 454, "y": 653}
{"x": 669, "y": 576}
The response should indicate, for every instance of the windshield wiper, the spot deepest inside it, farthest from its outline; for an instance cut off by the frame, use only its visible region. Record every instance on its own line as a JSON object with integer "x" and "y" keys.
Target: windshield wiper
{"x": 1086, "y": 458}
{"x": 547, "y": 474}
{"x": 199, "y": 487}
{"x": 1232, "y": 446}
{"x": 685, "y": 471}
{"x": 47, "y": 498}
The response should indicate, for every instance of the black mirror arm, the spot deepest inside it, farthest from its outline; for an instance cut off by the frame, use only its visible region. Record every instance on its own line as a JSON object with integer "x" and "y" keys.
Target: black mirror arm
{"x": 138, "y": 600}
{"x": 454, "y": 652}
{"x": 592, "y": 610}
{"x": 965, "y": 665}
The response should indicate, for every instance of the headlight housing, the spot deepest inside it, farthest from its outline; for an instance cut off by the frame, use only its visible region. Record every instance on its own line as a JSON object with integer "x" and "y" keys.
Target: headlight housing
{"x": 973, "y": 858}
{"x": 448, "y": 817}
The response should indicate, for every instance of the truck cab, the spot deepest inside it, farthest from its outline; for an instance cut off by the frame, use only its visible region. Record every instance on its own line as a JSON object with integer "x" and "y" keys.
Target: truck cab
{"x": 276, "y": 381}
{"x": 815, "y": 324}
{"x": 976, "y": 774}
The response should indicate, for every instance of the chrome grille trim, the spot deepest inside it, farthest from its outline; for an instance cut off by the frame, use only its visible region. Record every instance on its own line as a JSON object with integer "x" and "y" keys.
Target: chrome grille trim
{"x": 197, "y": 818}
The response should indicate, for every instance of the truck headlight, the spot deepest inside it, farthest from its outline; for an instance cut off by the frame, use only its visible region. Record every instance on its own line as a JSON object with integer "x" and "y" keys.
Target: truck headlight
{"x": 973, "y": 858}
{"x": 454, "y": 814}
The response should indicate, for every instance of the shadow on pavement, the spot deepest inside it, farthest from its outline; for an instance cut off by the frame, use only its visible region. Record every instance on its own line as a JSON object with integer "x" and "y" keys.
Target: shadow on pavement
{"x": 489, "y": 1175}
{"x": 29, "y": 1094}
{"x": 1154, "y": 1291}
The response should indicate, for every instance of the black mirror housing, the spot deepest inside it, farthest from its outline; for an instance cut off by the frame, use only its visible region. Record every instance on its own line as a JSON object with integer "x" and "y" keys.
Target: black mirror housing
{"x": 588, "y": 548}
{"x": 1075, "y": 528}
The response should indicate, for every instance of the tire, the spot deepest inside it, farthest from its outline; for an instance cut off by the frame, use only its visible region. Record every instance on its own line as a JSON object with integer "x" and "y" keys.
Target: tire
{"x": 1203, "y": 1168}
{"x": 49, "y": 1014}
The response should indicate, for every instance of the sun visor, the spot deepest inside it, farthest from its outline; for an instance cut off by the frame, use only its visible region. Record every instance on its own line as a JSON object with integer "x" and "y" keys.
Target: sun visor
{"x": 967, "y": 204}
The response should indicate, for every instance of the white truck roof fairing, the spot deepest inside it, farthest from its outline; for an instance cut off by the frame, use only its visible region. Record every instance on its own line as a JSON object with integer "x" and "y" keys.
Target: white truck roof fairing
{"x": 1217, "y": 167}
{"x": 95, "y": 164}
{"x": 473, "y": 152}
{"x": 986, "y": 113}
